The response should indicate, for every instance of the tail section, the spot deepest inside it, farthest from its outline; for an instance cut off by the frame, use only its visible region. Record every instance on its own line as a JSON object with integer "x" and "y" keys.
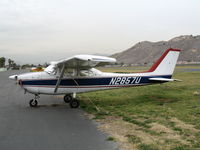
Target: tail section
{"x": 165, "y": 65}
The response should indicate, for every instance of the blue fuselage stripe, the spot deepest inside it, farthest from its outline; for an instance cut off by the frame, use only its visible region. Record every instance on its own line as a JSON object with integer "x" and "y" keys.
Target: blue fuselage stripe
{"x": 94, "y": 81}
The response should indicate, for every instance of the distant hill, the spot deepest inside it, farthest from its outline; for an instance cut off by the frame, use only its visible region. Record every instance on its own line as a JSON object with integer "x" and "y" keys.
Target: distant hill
{"x": 148, "y": 52}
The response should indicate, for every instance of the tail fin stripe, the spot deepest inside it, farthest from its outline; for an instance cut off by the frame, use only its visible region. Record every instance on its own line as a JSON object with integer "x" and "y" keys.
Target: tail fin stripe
{"x": 153, "y": 68}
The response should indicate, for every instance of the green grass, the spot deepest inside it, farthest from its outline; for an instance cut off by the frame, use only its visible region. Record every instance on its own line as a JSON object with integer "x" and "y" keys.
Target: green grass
{"x": 139, "y": 123}
{"x": 155, "y": 103}
{"x": 180, "y": 148}
{"x": 147, "y": 147}
{"x": 133, "y": 139}
{"x": 110, "y": 138}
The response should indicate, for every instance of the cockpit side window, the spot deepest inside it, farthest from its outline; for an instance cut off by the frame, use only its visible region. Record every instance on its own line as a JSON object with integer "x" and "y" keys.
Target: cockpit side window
{"x": 90, "y": 72}
{"x": 72, "y": 72}
{"x": 86, "y": 73}
{"x": 69, "y": 72}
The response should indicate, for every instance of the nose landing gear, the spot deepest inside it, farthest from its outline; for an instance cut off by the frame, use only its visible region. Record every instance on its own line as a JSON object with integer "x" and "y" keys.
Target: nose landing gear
{"x": 34, "y": 102}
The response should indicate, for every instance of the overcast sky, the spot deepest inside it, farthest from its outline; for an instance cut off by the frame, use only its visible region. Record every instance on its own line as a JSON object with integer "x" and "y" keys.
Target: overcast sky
{"x": 38, "y": 31}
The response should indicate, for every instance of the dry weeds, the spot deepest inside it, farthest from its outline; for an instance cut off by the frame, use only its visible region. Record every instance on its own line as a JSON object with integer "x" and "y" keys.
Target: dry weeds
{"x": 183, "y": 125}
{"x": 121, "y": 130}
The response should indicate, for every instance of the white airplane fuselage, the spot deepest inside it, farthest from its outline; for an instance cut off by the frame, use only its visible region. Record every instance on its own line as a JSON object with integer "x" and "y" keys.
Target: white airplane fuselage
{"x": 44, "y": 83}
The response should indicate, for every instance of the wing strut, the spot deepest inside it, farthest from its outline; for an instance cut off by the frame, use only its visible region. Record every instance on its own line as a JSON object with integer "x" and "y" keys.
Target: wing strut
{"x": 59, "y": 79}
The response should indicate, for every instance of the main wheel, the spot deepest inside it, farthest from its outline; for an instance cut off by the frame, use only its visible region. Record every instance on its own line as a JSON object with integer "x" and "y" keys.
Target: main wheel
{"x": 67, "y": 98}
{"x": 74, "y": 103}
{"x": 33, "y": 103}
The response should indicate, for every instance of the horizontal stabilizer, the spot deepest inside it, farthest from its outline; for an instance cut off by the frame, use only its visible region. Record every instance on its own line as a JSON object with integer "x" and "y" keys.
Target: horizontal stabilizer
{"x": 163, "y": 79}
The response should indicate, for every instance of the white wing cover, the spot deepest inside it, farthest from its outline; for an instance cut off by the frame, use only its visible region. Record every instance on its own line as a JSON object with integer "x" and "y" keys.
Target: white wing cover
{"x": 80, "y": 61}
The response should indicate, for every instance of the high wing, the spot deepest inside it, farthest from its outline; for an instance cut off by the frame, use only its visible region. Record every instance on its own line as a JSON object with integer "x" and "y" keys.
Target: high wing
{"x": 80, "y": 62}
{"x": 76, "y": 62}
{"x": 84, "y": 61}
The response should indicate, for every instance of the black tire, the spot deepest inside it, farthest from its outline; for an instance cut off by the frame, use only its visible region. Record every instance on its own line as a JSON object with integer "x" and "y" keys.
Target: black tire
{"x": 33, "y": 103}
{"x": 67, "y": 98}
{"x": 74, "y": 103}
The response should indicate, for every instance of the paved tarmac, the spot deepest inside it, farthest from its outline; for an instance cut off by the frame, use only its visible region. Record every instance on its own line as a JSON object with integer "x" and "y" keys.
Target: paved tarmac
{"x": 48, "y": 127}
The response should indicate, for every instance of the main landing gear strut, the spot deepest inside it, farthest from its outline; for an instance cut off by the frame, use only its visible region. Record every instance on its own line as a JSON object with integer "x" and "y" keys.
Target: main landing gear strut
{"x": 71, "y": 99}
{"x": 34, "y": 102}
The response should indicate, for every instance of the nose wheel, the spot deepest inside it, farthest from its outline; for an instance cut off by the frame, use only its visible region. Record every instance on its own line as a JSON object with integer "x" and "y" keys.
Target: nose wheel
{"x": 34, "y": 102}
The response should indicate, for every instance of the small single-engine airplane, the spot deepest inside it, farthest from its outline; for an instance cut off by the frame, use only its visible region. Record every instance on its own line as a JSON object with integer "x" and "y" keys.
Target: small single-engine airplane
{"x": 76, "y": 74}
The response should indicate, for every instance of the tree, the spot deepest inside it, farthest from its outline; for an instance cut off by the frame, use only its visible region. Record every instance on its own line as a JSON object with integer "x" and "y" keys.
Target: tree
{"x": 9, "y": 62}
{"x": 2, "y": 62}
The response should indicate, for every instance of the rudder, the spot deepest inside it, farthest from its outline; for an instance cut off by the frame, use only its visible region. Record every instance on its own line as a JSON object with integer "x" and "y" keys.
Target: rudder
{"x": 165, "y": 65}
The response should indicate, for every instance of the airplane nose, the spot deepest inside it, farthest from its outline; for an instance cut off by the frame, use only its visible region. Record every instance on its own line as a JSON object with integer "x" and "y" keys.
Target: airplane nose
{"x": 13, "y": 77}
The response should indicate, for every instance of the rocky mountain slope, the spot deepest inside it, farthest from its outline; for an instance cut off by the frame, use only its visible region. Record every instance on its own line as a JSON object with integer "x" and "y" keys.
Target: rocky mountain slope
{"x": 148, "y": 52}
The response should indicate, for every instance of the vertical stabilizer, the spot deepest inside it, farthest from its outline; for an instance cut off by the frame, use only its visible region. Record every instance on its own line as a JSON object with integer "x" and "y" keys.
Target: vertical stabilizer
{"x": 165, "y": 65}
